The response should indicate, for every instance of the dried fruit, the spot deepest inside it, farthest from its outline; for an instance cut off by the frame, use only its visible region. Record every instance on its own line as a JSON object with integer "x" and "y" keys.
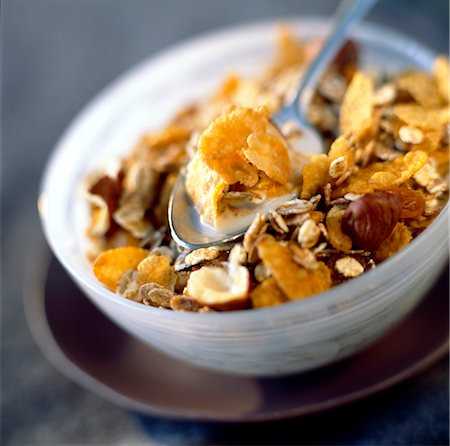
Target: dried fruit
{"x": 111, "y": 264}
{"x": 370, "y": 219}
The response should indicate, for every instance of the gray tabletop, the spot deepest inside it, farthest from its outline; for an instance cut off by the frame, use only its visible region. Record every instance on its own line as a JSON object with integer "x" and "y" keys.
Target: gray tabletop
{"x": 56, "y": 54}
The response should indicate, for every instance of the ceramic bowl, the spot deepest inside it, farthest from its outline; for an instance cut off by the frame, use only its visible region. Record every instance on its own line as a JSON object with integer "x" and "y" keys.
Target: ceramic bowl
{"x": 293, "y": 337}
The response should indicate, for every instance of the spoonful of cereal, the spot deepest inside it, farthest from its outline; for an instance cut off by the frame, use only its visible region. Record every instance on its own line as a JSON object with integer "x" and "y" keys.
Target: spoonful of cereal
{"x": 245, "y": 162}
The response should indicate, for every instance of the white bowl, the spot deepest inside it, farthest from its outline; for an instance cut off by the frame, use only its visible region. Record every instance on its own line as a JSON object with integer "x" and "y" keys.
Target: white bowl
{"x": 293, "y": 337}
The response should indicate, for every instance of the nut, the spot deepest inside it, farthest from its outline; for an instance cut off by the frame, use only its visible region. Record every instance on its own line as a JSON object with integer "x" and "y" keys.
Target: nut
{"x": 370, "y": 219}
{"x": 217, "y": 288}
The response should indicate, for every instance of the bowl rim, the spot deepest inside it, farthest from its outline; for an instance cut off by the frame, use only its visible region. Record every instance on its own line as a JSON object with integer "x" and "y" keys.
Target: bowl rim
{"x": 383, "y": 35}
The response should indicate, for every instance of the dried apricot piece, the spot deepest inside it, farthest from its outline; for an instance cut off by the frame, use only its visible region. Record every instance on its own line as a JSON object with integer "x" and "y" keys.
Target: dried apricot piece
{"x": 357, "y": 107}
{"x": 269, "y": 154}
{"x": 111, "y": 264}
{"x": 295, "y": 281}
{"x": 336, "y": 237}
{"x": 399, "y": 238}
{"x": 156, "y": 269}
{"x": 315, "y": 175}
{"x": 267, "y": 294}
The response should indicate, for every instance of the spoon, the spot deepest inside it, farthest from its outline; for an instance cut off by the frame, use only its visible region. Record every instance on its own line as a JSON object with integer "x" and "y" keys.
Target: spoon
{"x": 185, "y": 223}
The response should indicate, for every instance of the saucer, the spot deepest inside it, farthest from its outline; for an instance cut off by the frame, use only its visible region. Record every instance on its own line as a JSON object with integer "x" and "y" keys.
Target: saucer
{"x": 87, "y": 347}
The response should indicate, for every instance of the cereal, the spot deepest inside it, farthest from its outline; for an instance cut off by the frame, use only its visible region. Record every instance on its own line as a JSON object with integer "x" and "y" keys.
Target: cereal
{"x": 410, "y": 135}
{"x": 399, "y": 238}
{"x": 357, "y": 108}
{"x": 315, "y": 175}
{"x": 381, "y": 181}
{"x": 267, "y": 294}
{"x": 441, "y": 75}
{"x": 308, "y": 234}
{"x": 336, "y": 237}
{"x": 111, "y": 264}
{"x": 156, "y": 269}
{"x": 349, "y": 267}
{"x": 269, "y": 154}
{"x": 296, "y": 282}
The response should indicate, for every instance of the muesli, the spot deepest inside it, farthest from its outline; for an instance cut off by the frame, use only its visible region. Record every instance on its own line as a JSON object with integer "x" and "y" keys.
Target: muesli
{"x": 382, "y": 181}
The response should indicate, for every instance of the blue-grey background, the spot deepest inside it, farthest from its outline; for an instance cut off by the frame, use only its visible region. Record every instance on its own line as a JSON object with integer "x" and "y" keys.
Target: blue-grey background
{"x": 55, "y": 55}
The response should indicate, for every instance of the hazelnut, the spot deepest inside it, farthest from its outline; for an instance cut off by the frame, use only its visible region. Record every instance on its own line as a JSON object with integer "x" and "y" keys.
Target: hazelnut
{"x": 371, "y": 219}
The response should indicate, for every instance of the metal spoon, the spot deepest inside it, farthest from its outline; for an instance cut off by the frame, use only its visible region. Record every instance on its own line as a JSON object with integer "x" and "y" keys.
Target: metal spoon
{"x": 184, "y": 220}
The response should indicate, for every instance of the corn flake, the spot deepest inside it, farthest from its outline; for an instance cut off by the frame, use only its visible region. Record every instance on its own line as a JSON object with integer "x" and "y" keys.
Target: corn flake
{"x": 267, "y": 294}
{"x": 417, "y": 116}
{"x": 336, "y": 237}
{"x": 111, "y": 264}
{"x": 295, "y": 281}
{"x": 357, "y": 115}
{"x": 315, "y": 175}
{"x": 398, "y": 239}
{"x": 269, "y": 154}
{"x": 156, "y": 269}
{"x": 421, "y": 87}
{"x": 221, "y": 145}
{"x": 441, "y": 75}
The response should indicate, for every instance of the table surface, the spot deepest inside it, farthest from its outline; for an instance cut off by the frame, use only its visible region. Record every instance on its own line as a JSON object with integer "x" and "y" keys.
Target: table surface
{"x": 56, "y": 54}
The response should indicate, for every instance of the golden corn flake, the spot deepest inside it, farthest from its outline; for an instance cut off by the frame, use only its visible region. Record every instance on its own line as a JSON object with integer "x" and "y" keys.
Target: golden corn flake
{"x": 357, "y": 115}
{"x": 342, "y": 147}
{"x": 431, "y": 141}
{"x": 398, "y": 239}
{"x": 267, "y": 294}
{"x": 421, "y": 87}
{"x": 111, "y": 264}
{"x": 315, "y": 175}
{"x": 289, "y": 49}
{"x": 382, "y": 176}
{"x": 336, "y": 237}
{"x": 170, "y": 135}
{"x": 156, "y": 269}
{"x": 269, "y": 154}
{"x": 416, "y": 116}
{"x": 206, "y": 188}
{"x": 295, "y": 281}
{"x": 221, "y": 145}
{"x": 441, "y": 75}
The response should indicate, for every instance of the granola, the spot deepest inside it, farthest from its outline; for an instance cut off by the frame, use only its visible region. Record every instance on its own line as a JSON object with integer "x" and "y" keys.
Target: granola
{"x": 382, "y": 181}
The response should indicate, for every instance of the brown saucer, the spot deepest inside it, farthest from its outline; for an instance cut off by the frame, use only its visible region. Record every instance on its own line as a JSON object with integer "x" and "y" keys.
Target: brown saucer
{"x": 90, "y": 349}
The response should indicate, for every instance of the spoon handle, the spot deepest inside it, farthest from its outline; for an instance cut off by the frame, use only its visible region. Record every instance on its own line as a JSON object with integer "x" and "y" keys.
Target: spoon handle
{"x": 347, "y": 13}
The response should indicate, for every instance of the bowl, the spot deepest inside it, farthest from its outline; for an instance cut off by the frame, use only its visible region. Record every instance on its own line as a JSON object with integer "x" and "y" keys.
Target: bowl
{"x": 293, "y": 337}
